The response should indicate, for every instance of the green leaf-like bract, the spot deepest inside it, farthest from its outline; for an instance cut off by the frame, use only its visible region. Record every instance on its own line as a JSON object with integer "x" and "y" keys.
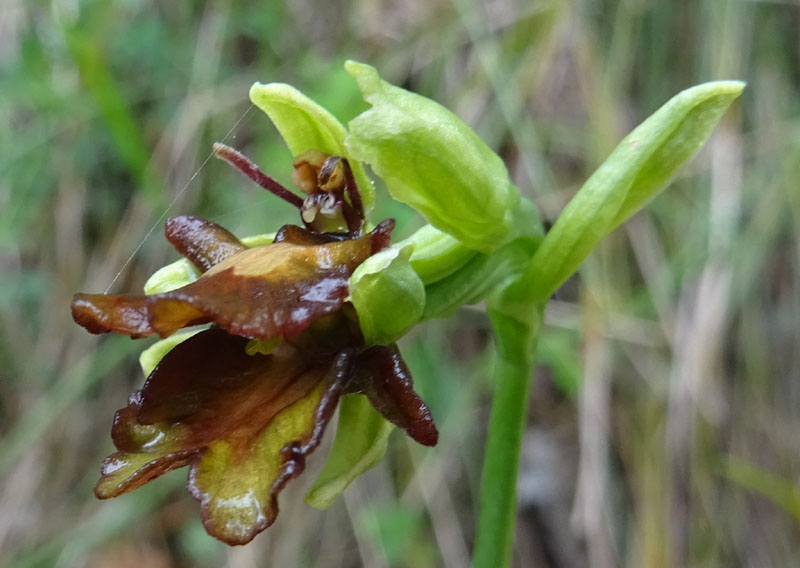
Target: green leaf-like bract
{"x": 635, "y": 172}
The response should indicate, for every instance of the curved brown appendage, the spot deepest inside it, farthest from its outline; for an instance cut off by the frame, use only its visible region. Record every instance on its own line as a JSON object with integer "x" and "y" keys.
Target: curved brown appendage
{"x": 384, "y": 377}
{"x": 276, "y": 290}
{"x": 354, "y": 214}
{"x": 204, "y": 243}
{"x": 381, "y": 235}
{"x": 101, "y": 313}
{"x": 251, "y": 170}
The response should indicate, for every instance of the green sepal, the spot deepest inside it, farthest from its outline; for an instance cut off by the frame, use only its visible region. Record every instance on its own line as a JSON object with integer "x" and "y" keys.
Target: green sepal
{"x": 387, "y": 294}
{"x": 361, "y": 439}
{"x": 431, "y": 160}
{"x": 305, "y": 125}
{"x": 635, "y": 172}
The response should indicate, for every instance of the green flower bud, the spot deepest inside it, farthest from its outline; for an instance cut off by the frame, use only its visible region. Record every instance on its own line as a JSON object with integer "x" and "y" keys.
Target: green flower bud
{"x": 388, "y": 295}
{"x": 431, "y": 160}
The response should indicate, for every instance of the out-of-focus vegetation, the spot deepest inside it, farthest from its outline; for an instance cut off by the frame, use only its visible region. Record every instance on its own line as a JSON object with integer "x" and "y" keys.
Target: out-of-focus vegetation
{"x": 665, "y": 414}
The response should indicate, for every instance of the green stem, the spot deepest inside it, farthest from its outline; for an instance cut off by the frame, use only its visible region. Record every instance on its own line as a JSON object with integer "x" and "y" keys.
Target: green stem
{"x": 516, "y": 339}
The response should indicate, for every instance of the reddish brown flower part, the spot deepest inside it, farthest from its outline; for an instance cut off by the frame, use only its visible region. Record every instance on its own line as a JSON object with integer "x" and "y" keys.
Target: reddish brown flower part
{"x": 269, "y": 291}
{"x": 245, "y": 423}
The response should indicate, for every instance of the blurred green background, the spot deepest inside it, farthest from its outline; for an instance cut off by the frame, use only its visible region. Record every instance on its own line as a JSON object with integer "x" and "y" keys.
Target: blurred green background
{"x": 664, "y": 424}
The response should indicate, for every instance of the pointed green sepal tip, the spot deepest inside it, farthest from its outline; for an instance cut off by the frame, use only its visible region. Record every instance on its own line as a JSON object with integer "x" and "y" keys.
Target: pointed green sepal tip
{"x": 305, "y": 125}
{"x": 638, "y": 169}
{"x": 388, "y": 295}
{"x": 431, "y": 160}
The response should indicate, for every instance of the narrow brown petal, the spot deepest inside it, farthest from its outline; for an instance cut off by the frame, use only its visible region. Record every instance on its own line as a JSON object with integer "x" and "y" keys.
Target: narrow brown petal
{"x": 248, "y": 168}
{"x": 204, "y": 243}
{"x": 101, "y": 313}
{"x": 385, "y": 379}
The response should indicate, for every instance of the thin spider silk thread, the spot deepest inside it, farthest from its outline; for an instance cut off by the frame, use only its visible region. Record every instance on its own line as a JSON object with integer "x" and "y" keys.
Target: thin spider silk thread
{"x": 174, "y": 201}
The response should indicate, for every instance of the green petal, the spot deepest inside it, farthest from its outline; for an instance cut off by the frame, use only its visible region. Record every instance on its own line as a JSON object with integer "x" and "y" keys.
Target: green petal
{"x": 171, "y": 277}
{"x": 431, "y": 160}
{"x": 305, "y": 125}
{"x": 635, "y": 172}
{"x": 360, "y": 443}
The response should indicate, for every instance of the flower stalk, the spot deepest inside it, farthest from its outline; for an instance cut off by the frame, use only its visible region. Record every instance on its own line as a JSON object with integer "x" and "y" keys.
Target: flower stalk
{"x": 516, "y": 340}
